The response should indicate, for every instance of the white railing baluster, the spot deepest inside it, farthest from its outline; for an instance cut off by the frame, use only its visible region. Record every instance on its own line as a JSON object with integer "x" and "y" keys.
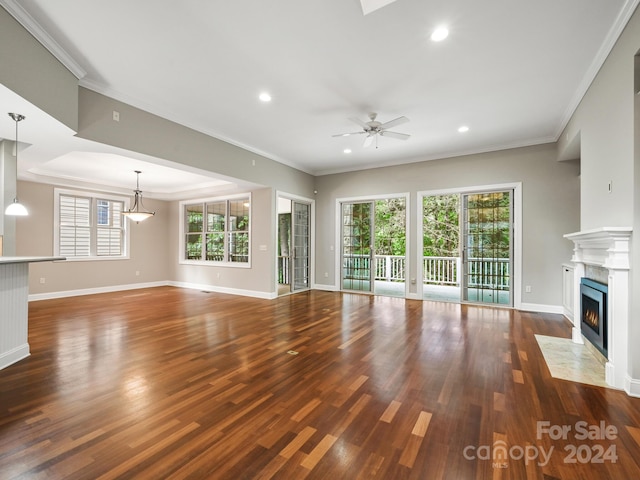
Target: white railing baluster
{"x": 483, "y": 272}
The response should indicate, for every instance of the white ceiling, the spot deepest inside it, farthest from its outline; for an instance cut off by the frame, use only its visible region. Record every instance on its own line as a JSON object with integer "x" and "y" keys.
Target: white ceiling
{"x": 513, "y": 71}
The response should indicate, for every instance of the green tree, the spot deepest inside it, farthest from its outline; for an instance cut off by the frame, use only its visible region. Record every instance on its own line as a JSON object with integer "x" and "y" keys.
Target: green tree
{"x": 440, "y": 221}
{"x": 390, "y": 223}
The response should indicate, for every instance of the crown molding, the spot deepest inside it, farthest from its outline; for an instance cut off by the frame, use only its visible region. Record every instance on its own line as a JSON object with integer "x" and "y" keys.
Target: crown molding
{"x": 605, "y": 49}
{"x": 28, "y": 22}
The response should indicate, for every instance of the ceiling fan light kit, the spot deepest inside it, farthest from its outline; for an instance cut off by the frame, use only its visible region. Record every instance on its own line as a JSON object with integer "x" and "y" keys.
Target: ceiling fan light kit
{"x": 373, "y": 128}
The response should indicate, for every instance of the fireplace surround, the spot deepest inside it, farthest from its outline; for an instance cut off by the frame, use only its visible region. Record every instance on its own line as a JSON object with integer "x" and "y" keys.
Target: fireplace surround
{"x": 607, "y": 248}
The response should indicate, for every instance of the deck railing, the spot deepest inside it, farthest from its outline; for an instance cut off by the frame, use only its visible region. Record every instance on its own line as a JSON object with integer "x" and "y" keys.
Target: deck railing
{"x": 490, "y": 273}
{"x": 483, "y": 272}
{"x": 390, "y": 268}
{"x": 441, "y": 270}
{"x": 283, "y": 270}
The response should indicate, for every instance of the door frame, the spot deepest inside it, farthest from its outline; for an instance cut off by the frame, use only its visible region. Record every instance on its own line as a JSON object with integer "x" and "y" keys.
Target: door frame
{"x": 337, "y": 247}
{"x": 312, "y": 225}
{"x": 517, "y": 232}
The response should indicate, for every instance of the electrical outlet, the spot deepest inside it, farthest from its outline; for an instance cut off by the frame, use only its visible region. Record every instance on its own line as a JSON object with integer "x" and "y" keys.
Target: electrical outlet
{"x": 326, "y": 274}
{"x": 137, "y": 273}
{"x": 43, "y": 280}
{"x": 527, "y": 289}
{"x": 116, "y": 116}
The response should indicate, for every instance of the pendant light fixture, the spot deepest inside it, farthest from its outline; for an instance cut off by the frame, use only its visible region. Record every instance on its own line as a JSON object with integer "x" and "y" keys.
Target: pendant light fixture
{"x": 16, "y": 208}
{"x": 137, "y": 212}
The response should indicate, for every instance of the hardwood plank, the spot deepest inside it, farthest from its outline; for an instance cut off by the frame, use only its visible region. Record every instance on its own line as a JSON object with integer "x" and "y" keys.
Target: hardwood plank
{"x": 420, "y": 428}
{"x": 296, "y": 443}
{"x": 390, "y": 412}
{"x": 317, "y": 453}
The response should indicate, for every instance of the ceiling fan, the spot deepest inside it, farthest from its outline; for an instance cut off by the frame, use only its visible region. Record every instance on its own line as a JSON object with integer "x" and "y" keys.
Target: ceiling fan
{"x": 373, "y": 128}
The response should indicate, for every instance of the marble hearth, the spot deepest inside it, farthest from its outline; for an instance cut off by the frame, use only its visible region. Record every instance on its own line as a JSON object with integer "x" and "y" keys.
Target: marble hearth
{"x": 607, "y": 249}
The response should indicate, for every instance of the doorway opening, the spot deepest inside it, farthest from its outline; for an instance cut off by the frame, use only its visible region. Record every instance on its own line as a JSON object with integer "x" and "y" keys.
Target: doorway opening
{"x": 374, "y": 246}
{"x": 467, "y": 247}
{"x": 293, "y": 245}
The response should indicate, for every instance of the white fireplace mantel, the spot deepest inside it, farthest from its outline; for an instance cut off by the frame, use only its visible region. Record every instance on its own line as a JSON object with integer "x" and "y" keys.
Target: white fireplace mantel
{"x": 609, "y": 248}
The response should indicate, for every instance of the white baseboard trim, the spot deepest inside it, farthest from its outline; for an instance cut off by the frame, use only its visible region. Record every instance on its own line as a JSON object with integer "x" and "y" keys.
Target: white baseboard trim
{"x": 567, "y": 314}
{"x": 413, "y": 296}
{"x": 326, "y": 288}
{"x": 13, "y": 356}
{"x": 230, "y": 291}
{"x": 632, "y": 386}
{"x": 91, "y": 291}
{"x": 541, "y": 308}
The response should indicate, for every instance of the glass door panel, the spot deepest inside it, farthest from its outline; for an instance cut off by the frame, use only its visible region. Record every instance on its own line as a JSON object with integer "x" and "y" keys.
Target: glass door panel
{"x": 441, "y": 265}
{"x": 301, "y": 245}
{"x": 357, "y": 238}
{"x": 390, "y": 247}
{"x": 284, "y": 246}
{"x": 487, "y": 247}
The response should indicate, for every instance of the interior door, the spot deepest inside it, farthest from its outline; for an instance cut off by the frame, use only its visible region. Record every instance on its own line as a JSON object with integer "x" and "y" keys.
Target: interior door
{"x": 301, "y": 226}
{"x": 487, "y": 247}
{"x": 357, "y": 246}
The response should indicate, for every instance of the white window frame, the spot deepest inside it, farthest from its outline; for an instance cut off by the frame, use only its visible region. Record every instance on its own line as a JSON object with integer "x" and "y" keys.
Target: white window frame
{"x": 182, "y": 231}
{"x": 94, "y": 196}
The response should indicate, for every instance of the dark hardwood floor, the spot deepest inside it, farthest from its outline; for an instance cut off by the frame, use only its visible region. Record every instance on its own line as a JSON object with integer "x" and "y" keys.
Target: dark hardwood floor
{"x": 175, "y": 383}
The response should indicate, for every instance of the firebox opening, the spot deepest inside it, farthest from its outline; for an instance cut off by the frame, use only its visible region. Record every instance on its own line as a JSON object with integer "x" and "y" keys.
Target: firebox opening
{"x": 590, "y": 314}
{"x": 594, "y": 313}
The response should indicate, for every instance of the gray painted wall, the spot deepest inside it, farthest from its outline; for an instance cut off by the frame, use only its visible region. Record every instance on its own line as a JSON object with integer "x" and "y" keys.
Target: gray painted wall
{"x": 550, "y": 207}
{"x": 146, "y": 133}
{"x": 609, "y": 145}
{"x": 259, "y": 278}
{"x": 149, "y": 243}
{"x": 27, "y": 68}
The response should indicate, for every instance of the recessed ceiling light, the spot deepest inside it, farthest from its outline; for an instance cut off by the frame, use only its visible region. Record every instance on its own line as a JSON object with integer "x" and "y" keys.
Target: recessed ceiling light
{"x": 439, "y": 34}
{"x": 463, "y": 129}
{"x": 347, "y": 150}
{"x": 265, "y": 97}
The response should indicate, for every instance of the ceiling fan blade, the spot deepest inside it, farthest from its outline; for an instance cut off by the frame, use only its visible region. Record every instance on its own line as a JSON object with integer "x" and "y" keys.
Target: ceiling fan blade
{"x": 368, "y": 140}
{"x": 394, "y": 122}
{"x": 399, "y": 136}
{"x": 348, "y": 134}
{"x": 360, "y": 122}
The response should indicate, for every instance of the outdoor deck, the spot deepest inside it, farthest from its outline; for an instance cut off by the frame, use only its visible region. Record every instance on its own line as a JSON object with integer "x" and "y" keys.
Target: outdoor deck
{"x": 440, "y": 293}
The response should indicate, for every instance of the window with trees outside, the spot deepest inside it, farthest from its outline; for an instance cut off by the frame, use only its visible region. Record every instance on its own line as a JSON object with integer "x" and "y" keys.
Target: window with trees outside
{"x": 89, "y": 225}
{"x": 217, "y": 231}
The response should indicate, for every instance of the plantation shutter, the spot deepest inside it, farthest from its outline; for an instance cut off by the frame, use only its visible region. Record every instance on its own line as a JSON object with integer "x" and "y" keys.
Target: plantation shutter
{"x": 109, "y": 231}
{"x": 75, "y": 226}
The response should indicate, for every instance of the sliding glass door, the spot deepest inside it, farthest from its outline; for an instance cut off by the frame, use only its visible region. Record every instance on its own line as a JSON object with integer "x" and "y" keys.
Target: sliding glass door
{"x": 373, "y": 248}
{"x": 357, "y": 246}
{"x": 487, "y": 247}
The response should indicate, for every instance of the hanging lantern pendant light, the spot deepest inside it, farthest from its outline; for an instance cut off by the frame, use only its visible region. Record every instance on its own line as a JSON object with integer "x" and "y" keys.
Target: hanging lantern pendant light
{"x": 137, "y": 212}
